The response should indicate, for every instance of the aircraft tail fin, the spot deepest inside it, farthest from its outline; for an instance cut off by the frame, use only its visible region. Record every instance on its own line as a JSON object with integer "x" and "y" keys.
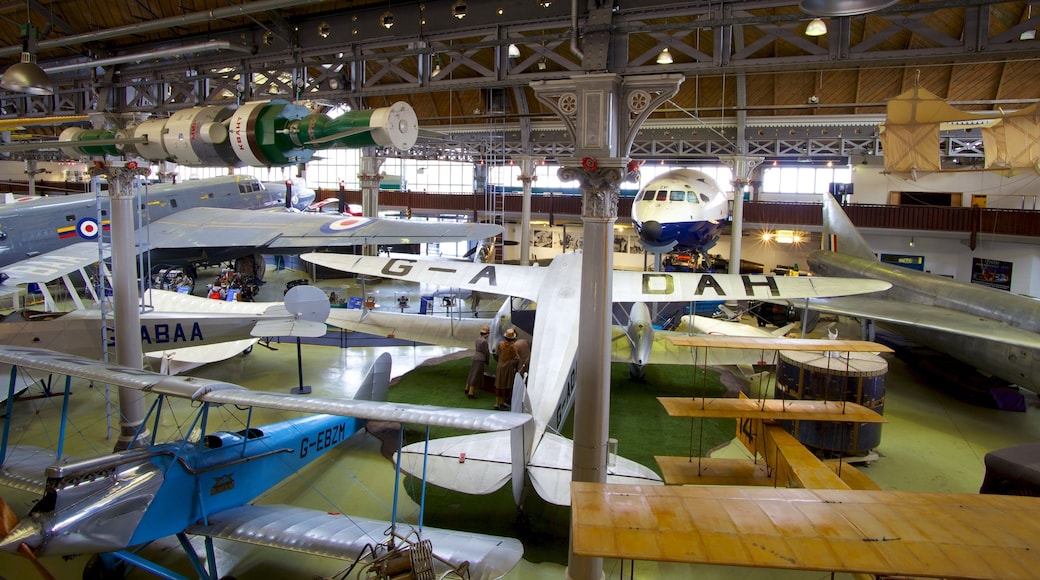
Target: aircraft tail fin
{"x": 839, "y": 235}
{"x": 377, "y": 381}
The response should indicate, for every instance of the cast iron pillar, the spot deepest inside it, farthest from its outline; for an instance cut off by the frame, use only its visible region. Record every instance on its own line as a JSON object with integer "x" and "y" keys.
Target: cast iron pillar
{"x": 742, "y": 165}
{"x": 369, "y": 179}
{"x": 527, "y": 178}
{"x": 603, "y": 113}
{"x": 126, "y": 298}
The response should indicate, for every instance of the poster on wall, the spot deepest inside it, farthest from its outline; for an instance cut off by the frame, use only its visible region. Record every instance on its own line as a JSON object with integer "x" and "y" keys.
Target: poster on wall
{"x": 542, "y": 238}
{"x": 992, "y": 273}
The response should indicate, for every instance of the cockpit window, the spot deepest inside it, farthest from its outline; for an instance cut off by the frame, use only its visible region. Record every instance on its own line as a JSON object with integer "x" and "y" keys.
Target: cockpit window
{"x": 678, "y": 196}
{"x": 705, "y": 198}
{"x": 691, "y": 196}
{"x": 662, "y": 195}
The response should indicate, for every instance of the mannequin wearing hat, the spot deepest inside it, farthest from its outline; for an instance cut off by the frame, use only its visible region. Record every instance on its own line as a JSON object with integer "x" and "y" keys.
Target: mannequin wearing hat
{"x": 505, "y": 372}
{"x": 481, "y": 355}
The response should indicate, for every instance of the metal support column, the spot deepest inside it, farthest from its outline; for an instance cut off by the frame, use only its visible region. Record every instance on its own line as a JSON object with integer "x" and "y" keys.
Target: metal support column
{"x": 603, "y": 112}
{"x": 527, "y": 177}
{"x": 125, "y": 295}
{"x": 369, "y": 179}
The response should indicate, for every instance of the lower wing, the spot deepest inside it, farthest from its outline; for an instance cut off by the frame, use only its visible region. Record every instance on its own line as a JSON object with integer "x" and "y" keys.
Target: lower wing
{"x": 345, "y": 537}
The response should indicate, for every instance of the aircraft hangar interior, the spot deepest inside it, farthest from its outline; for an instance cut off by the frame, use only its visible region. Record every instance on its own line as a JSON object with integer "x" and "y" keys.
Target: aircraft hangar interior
{"x": 734, "y": 289}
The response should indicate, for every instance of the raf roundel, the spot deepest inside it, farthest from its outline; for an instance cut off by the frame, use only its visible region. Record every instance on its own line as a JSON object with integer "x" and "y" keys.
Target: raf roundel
{"x": 343, "y": 225}
{"x": 87, "y": 228}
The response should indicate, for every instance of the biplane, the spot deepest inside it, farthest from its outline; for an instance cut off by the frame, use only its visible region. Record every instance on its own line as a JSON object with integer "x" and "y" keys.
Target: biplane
{"x": 787, "y": 509}
{"x": 205, "y": 484}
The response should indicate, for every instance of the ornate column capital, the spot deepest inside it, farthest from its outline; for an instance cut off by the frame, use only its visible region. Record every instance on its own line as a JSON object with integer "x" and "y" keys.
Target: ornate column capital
{"x": 122, "y": 178}
{"x": 600, "y": 190}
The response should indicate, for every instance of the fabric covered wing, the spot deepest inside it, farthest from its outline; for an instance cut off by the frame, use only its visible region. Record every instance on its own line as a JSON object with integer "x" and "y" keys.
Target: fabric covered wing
{"x": 427, "y": 329}
{"x": 24, "y": 467}
{"x": 475, "y": 464}
{"x": 345, "y": 537}
{"x": 175, "y": 361}
{"x": 276, "y": 230}
{"x": 210, "y": 391}
{"x": 53, "y": 265}
{"x": 930, "y": 317}
{"x": 521, "y": 281}
{"x": 666, "y": 352}
{"x": 550, "y": 470}
{"x": 681, "y": 286}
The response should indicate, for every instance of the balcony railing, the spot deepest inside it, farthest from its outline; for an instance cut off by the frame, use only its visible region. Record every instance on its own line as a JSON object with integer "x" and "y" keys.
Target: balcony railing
{"x": 770, "y": 214}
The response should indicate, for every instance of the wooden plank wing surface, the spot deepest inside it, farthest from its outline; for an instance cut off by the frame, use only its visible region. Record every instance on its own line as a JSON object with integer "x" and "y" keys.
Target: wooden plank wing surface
{"x": 872, "y": 532}
{"x": 769, "y": 409}
{"x": 771, "y": 343}
{"x": 713, "y": 471}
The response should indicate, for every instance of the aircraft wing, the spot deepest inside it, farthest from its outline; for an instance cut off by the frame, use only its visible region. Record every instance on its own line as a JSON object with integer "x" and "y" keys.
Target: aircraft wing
{"x": 927, "y": 317}
{"x": 681, "y": 286}
{"x": 879, "y": 533}
{"x": 480, "y": 464}
{"x": 438, "y": 330}
{"x": 664, "y": 351}
{"x": 520, "y": 281}
{"x": 294, "y": 232}
{"x": 209, "y": 391}
{"x": 347, "y": 537}
{"x": 175, "y": 361}
{"x": 24, "y": 466}
{"x": 52, "y": 265}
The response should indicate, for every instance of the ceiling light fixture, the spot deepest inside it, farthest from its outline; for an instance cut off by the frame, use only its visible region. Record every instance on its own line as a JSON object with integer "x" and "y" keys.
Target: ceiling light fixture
{"x": 387, "y": 20}
{"x": 545, "y": 3}
{"x": 26, "y": 76}
{"x": 665, "y": 57}
{"x": 817, "y": 27}
{"x": 1031, "y": 33}
{"x": 843, "y": 7}
{"x": 514, "y": 51}
{"x": 458, "y": 9}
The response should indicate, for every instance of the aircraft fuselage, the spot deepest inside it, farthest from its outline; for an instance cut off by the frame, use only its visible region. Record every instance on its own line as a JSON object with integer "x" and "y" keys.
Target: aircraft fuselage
{"x": 31, "y": 228}
{"x": 141, "y": 495}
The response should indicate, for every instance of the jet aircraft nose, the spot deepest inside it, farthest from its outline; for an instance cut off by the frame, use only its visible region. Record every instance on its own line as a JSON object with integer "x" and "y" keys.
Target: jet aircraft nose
{"x": 651, "y": 231}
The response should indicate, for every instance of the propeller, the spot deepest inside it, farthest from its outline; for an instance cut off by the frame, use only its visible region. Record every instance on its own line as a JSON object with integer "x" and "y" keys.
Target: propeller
{"x": 8, "y": 522}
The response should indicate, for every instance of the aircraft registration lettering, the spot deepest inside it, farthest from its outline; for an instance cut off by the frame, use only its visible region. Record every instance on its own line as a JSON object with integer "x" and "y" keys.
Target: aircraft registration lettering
{"x": 162, "y": 333}
{"x": 222, "y": 483}
{"x": 487, "y": 273}
{"x": 658, "y": 284}
{"x": 323, "y": 440}
{"x": 767, "y": 282}
{"x": 398, "y": 267}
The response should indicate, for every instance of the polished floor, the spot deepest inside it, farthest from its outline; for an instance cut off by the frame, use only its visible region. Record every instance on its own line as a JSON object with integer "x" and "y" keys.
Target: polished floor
{"x": 932, "y": 442}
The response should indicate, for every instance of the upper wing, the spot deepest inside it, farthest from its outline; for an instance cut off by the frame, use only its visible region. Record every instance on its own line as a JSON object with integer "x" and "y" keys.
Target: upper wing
{"x": 521, "y": 281}
{"x": 427, "y": 329}
{"x": 665, "y": 351}
{"x": 681, "y": 286}
{"x": 209, "y": 391}
{"x": 346, "y": 537}
{"x": 298, "y": 231}
{"x": 930, "y": 317}
{"x": 884, "y": 533}
{"x": 53, "y": 265}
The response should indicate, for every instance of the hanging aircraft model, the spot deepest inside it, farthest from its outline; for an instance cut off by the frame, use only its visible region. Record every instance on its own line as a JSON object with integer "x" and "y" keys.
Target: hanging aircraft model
{"x": 683, "y": 209}
{"x": 549, "y": 396}
{"x": 204, "y": 485}
{"x": 989, "y": 329}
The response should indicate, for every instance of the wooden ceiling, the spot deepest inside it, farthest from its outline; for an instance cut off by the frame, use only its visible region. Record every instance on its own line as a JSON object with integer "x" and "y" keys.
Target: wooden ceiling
{"x": 751, "y": 57}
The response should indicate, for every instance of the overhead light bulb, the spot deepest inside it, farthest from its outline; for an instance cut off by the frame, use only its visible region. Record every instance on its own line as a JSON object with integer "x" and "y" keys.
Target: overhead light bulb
{"x": 545, "y": 3}
{"x": 542, "y": 65}
{"x": 816, "y": 27}
{"x": 387, "y": 20}
{"x": 436, "y": 70}
{"x": 665, "y": 57}
{"x": 458, "y": 9}
{"x": 514, "y": 51}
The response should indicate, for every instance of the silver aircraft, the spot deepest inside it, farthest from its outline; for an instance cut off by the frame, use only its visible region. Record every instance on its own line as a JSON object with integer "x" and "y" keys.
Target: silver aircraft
{"x": 992, "y": 330}
{"x": 482, "y": 463}
{"x": 205, "y": 222}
